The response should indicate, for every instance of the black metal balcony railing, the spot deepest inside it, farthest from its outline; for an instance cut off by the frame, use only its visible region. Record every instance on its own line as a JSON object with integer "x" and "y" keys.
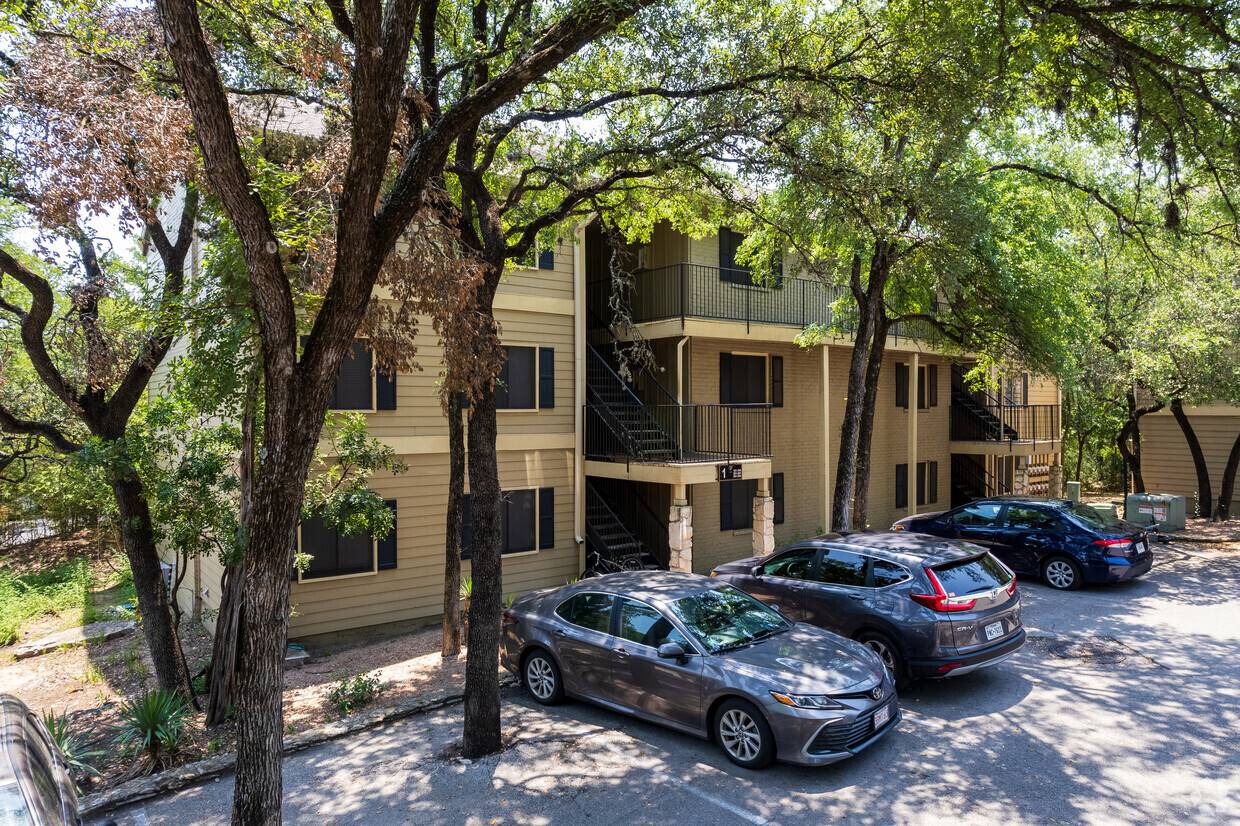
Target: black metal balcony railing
{"x": 1004, "y": 422}
{"x": 699, "y": 291}
{"x": 678, "y": 433}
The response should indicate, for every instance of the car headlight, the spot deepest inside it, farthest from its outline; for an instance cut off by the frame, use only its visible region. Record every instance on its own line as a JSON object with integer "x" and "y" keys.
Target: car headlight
{"x": 806, "y": 700}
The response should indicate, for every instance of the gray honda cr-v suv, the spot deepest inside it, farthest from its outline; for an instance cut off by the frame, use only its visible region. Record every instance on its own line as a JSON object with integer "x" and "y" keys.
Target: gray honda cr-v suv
{"x": 929, "y": 607}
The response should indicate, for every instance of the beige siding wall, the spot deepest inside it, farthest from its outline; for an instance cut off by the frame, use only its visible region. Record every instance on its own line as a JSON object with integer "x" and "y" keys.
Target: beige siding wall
{"x": 414, "y": 589}
{"x": 1166, "y": 463}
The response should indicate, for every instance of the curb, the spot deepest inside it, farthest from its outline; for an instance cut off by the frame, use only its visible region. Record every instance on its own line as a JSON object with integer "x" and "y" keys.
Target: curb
{"x": 147, "y": 787}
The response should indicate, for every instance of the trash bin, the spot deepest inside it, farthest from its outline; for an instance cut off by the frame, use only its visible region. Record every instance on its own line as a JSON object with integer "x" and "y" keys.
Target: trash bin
{"x": 1166, "y": 511}
{"x": 1074, "y": 492}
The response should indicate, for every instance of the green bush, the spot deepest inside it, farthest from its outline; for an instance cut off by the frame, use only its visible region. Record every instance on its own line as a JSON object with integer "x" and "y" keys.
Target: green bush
{"x": 75, "y": 752}
{"x": 351, "y": 693}
{"x": 62, "y": 589}
{"x": 153, "y": 724}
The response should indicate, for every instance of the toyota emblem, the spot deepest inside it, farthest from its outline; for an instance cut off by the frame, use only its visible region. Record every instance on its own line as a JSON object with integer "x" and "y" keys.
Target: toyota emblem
{"x": 876, "y": 693}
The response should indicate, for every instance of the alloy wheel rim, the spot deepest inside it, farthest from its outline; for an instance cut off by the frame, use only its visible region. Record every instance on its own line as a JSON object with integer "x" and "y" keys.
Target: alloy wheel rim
{"x": 884, "y": 653}
{"x": 1060, "y": 573}
{"x": 539, "y": 677}
{"x": 739, "y": 734}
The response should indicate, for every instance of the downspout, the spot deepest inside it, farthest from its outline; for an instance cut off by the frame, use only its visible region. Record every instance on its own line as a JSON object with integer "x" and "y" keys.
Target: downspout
{"x": 579, "y": 393}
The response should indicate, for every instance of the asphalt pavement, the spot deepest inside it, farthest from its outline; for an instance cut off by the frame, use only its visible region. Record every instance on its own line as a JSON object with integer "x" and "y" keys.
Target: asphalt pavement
{"x": 1123, "y": 707}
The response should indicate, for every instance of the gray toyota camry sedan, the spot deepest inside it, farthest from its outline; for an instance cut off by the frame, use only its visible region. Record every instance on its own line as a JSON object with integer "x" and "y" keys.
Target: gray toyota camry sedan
{"x": 701, "y": 656}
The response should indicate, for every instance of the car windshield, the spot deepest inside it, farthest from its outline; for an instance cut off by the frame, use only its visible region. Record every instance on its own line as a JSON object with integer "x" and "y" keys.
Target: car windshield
{"x": 725, "y": 618}
{"x": 1093, "y": 518}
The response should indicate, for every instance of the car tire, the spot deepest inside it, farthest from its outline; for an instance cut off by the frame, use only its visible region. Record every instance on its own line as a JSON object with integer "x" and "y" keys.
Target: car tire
{"x": 744, "y": 735}
{"x": 1062, "y": 573}
{"x": 541, "y": 678}
{"x": 889, "y": 653}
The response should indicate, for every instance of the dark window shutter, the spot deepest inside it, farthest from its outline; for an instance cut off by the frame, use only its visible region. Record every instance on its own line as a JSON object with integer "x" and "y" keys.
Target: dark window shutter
{"x": 921, "y": 388}
{"x": 777, "y": 381}
{"x": 546, "y": 260}
{"x": 355, "y": 380}
{"x": 546, "y": 518}
{"x": 385, "y": 390}
{"x": 546, "y": 377}
{"x": 902, "y": 385}
{"x": 725, "y": 506}
{"x": 902, "y": 486}
{"x": 932, "y": 385}
{"x": 726, "y": 259}
{"x": 517, "y": 524}
{"x": 725, "y": 378}
{"x": 502, "y": 383}
{"x": 933, "y": 482}
{"x": 1024, "y": 388}
{"x": 387, "y": 545}
{"x": 467, "y": 526}
{"x": 921, "y": 483}
{"x": 777, "y": 493}
{"x": 777, "y": 267}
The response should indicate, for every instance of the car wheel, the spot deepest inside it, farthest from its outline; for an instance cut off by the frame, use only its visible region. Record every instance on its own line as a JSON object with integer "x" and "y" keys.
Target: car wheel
{"x": 743, "y": 734}
{"x": 542, "y": 678}
{"x": 1061, "y": 573}
{"x": 889, "y": 653}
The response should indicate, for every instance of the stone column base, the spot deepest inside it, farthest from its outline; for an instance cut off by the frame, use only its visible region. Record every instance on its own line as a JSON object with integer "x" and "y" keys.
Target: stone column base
{"x": 680, "y": 537}
{"x": 1055, "y": 486}
{"x": 763, "y": 525}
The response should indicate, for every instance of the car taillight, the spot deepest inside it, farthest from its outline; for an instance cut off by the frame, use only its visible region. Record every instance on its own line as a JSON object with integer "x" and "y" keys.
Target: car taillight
{"x": 509, "y": 619}
{"x": 939, "y": 600}
{"x": 1110, "y": 543}
{"x": 1011, "y": 589}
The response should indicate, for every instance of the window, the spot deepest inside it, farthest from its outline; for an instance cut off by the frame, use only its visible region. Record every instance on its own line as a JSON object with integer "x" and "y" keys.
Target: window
{"x": 927, "y": 482}
{"x": 842, "y": 568}
{"x": 527, "y": 379}
{"x": 520, "y": 511}
{"x": 546, "y": 259}
{"x": 978, "y": 515}
{"x": 777, "y": 493}
{"x": 742, "y": 379}
{"x": 589, "y": 611}
{"x": 644, "y": 625}
{"x": 902, "y": 385}
{"x": 359, "y": 386}
{"x": 927, "y": 386}
{"x": 902, "y": 486}
{"x": 736, "y": 504}
{"x": 335, "y": 554}
{"x": 1021, "y": 516}
{"x": 777, "y": 381}
{"x": 982, "y": 573}
{"x": 796, "y": 564}
{"x": 729, "y": 270}
{"x": 884, "y": 573}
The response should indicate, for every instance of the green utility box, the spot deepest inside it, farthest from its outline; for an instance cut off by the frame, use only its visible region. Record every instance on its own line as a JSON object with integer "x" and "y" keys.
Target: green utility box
{"x": 1167, "y": 512}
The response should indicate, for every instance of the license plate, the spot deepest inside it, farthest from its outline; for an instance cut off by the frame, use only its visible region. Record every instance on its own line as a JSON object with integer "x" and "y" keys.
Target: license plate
{"x": 995, "y": 629}
{"x": 881, "y": 717}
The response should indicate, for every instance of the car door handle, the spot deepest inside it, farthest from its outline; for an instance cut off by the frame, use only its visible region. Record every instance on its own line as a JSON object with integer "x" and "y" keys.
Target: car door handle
{"x": 560, "y": 632}
{"x": 856, "y": 596}
{"x": 620, "y": 652}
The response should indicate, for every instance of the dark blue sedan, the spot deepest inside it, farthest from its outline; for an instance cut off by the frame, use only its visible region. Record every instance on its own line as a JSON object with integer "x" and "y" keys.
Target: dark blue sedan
{"x": 1064, "y": 543}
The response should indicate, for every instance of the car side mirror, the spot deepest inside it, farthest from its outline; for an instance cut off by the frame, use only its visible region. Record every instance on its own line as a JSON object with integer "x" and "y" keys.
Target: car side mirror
{"x": 672, "y": 651}
{"x": 757, "y": 570}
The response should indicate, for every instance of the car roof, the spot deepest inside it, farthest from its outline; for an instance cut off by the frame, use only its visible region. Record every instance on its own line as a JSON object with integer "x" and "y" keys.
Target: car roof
{"x": 899, "y": 546}
{"x": 1017, "y": 499}
{"x": 648, "y": 586}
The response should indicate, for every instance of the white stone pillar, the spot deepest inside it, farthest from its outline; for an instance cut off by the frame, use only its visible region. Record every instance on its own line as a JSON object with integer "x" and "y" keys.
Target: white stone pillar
{"x": 763, "y": 519}
{"x": 1055, "y": 486}
{"x": 680, "y": 531}
{"x": 1020, "y": 485}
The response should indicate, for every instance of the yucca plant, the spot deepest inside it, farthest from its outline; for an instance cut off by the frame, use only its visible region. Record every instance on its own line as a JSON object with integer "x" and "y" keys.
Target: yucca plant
{"x": 74, "y": 751}
{"x": 153, "y": 724}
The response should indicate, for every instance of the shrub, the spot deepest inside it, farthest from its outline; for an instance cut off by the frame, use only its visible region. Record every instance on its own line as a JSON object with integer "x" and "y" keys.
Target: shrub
{"x": 75, "y": 752}
{"x": 153, "y": 724}
{"x": 351, "y": 693}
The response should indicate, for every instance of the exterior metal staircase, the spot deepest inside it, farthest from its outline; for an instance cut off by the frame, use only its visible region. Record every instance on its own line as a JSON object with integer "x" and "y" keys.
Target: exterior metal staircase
{"x": 610, "y": 545}
{"x": 628, "y": 419}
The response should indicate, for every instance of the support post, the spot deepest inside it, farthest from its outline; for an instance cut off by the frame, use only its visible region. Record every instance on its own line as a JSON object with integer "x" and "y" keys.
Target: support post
{"x": 1055, "y": 486}
{"x": 763, "y": 519}
{"x": 911, "y": 476}
{"x": 680, "y": 531}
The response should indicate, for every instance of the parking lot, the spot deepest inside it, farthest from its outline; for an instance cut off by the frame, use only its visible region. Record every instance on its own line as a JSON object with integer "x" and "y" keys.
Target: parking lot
{"x": 1123, "y": 707}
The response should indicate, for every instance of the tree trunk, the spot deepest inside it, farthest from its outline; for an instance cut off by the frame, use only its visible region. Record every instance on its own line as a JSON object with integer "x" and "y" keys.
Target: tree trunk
{"x": 874, "y": 363}
{"x": 223, "y": 680}
{"x": 1081, "y": 436}
{"x": 138, "y": 540}
{"x": 1222, "y": 511}
{"x": 1129, "y": 439}
{"x": 846, "y": 461}
{"x": 1205, "y": 497}
{"x": 482, "y": 725}
{"x": 451, "y": 645}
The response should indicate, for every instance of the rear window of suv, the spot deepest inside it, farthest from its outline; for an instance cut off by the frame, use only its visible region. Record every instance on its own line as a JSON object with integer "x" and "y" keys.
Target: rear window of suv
{"x": 983, "y": 573}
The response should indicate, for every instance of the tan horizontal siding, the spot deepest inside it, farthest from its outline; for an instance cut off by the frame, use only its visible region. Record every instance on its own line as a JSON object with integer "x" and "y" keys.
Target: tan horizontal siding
{"x": 1167, "y": 464}
{"x": 553, "y": 283}
{"x": 414, "y": 589}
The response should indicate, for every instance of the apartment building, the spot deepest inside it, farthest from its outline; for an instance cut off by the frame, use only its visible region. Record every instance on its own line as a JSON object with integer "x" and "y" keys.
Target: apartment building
{"x": 725, "y": 447}
{"x": 1166, "y": 463}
